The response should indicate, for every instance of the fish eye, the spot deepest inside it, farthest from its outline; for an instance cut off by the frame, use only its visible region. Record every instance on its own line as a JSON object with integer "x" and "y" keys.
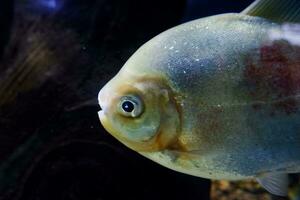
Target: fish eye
{"x": 130, "y": 106}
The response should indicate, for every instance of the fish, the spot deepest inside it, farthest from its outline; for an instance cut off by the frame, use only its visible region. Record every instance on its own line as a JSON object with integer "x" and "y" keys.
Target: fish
{"x": 217, "y": 97}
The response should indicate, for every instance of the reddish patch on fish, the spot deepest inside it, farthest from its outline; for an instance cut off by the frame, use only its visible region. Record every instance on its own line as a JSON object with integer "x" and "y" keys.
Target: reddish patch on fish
{"x": 272, "y": 76}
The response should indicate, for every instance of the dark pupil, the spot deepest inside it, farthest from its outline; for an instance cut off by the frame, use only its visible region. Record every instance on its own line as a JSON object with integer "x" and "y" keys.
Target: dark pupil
{"x": 127, "y": 106}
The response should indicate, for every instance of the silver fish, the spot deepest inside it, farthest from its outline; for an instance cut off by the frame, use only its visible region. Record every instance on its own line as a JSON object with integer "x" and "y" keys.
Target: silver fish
{"x": 217, "y": 97}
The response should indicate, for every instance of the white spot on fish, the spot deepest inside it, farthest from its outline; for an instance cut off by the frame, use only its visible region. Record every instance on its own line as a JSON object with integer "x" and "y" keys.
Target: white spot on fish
{"x": 172, "y": 47}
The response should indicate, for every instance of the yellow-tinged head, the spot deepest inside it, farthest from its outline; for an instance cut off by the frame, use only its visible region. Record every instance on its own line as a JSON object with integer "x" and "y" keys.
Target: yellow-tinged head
{"x": 140, "y": 112}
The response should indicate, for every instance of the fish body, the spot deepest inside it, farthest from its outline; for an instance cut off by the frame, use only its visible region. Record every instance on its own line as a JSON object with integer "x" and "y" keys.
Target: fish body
{"x": 216, "y": 97}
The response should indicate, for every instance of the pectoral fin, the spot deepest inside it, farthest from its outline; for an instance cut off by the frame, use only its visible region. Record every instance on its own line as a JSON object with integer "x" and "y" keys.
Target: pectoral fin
{"x": 276, "y": 184}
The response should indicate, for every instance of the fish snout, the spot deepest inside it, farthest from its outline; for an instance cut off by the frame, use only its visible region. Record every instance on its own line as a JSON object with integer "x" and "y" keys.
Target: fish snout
{"x": 102, "y": 99}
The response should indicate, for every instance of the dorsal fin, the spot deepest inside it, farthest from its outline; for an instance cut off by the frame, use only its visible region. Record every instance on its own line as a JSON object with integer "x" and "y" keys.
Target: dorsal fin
{"x": 276, "y": 10}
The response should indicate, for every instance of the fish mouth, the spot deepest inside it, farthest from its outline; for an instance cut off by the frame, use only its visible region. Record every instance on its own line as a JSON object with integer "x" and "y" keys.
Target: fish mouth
{"x": 101, "y": 111}
{"x": 103, "y": 119}
{"x": 102, "y": 114}
{"x": 101, "y": 104}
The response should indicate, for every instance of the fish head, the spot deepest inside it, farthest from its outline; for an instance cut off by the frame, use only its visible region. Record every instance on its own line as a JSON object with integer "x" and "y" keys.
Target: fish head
{"x": 139, "y": 111}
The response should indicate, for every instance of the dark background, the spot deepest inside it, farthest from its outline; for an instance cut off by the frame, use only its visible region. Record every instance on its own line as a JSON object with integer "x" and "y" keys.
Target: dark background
{"x": 55, "y": 55}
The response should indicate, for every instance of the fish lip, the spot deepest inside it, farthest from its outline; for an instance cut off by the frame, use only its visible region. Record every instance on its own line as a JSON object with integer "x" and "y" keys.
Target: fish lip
{"x": 100, "y": 102}
{"x": 101, "y": 114}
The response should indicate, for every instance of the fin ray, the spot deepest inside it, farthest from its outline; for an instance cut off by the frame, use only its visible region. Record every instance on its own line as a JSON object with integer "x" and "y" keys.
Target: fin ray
{"x": 276, "y": 184}
{"x": 276, "y": 10}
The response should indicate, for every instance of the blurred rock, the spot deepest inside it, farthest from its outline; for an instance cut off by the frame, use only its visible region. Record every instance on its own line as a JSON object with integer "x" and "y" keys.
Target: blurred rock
{"x": 239, "y": 190}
